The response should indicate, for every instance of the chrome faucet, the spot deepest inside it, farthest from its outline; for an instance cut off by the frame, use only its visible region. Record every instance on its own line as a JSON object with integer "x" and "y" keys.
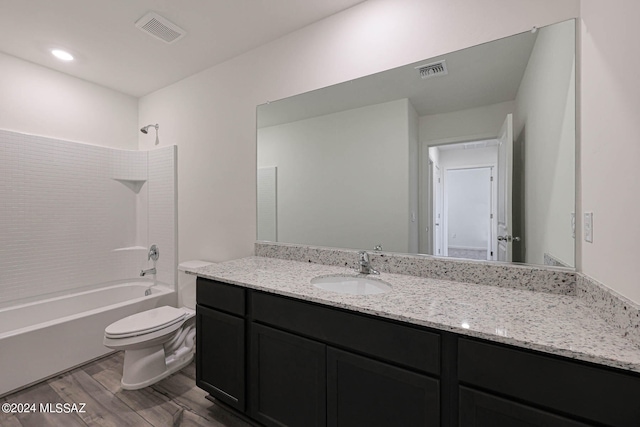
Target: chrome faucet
{"x": 154, "y": 253}
{"x": 149, "y": 271}
{"x": 365, "y": 264}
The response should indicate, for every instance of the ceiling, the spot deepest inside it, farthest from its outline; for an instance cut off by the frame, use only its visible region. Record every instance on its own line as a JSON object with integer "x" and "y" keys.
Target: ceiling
{"x": 112, "y": 52}
{"x": 486, "y": 74}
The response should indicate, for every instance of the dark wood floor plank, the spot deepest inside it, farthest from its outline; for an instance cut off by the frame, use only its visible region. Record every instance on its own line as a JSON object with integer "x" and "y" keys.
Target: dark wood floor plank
{"x": 227, "y": 418}
{"x": 8, "y": 419}
{"x": 189, "y": 419}
{"x": 102, "y": 407}
{"x": 112, "y": 361}
{"x": 109, "y": 379}
{"x": 182, "y": 390}
{"x": 190, "y": 370}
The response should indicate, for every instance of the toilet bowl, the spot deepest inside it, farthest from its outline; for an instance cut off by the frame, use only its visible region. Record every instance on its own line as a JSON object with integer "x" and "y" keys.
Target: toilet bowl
{"x": 157, "y": 342}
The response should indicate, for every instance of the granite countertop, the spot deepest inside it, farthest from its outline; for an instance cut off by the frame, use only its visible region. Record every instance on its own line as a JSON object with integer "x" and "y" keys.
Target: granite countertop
{"x": 555, "y": 324}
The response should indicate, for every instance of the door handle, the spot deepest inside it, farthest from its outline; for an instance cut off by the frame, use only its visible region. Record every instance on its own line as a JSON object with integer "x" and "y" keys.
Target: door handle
{"x": 508, "y": 238}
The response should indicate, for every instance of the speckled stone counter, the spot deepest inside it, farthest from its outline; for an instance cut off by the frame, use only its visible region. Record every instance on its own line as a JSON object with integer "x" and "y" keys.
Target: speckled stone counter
{"x": 557, "y": 324}
{"x": 560, "y": 281}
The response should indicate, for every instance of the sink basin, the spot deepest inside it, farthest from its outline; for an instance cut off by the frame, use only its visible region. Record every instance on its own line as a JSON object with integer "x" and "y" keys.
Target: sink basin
{"x": 352, "y": 285}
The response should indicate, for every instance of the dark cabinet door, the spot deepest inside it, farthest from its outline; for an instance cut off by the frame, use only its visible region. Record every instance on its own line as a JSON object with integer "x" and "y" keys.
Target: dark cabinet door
{"x": 479, "y": 409}
{"x": 365, "y": 392}
{"x": 581, "y": 390}
{"x": 288, "y": 379}
{"x": 220, "y": 363}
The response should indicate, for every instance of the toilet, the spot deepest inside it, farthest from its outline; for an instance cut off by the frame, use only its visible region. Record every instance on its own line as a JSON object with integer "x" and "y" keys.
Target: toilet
{"x": 156, "y": 342}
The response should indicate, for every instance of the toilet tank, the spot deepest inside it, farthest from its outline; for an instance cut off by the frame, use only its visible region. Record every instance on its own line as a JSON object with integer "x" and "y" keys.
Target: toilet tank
{"x": 187, "y": 283}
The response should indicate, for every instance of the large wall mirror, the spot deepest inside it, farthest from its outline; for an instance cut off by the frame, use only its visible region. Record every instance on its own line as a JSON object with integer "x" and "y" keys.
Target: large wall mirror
{"x": 468, "y": 155}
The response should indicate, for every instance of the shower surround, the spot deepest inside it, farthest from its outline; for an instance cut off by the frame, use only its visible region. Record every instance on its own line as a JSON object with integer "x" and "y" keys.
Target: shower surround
{"x": 76, "y": 217}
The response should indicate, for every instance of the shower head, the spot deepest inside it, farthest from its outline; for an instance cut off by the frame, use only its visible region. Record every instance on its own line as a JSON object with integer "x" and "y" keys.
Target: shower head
{"x": 145, "y": 129}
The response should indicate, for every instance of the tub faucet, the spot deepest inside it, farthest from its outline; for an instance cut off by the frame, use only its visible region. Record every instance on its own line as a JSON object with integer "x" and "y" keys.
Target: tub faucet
{"x": 365, "y": 264}
{"x": 149, "y": 271}
{"x": 154, "y": 253}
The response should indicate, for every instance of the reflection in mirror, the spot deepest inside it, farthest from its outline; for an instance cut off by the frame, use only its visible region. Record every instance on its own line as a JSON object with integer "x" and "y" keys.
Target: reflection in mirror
{"x": 467, "y": 155}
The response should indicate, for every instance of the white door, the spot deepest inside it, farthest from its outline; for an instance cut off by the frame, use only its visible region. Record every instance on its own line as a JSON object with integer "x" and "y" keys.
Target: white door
{"x": 505, "y": 173}
{"x": 468, "y": 212}
{"x": 438, "y": 202}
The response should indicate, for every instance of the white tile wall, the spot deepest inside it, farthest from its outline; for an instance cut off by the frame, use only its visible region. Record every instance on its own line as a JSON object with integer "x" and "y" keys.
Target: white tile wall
{"x": 62, "y": 215}
{"x": 131, "y": 165}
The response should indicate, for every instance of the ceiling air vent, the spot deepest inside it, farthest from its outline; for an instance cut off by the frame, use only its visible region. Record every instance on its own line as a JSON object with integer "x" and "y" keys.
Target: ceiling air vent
{"x": 160, "y": 28}
{"x": 432, "y": 70}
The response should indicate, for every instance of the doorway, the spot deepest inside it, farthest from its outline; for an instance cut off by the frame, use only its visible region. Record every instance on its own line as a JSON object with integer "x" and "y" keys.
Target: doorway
{"x": 467, "y": 203}
{"x": 456, "y": 175}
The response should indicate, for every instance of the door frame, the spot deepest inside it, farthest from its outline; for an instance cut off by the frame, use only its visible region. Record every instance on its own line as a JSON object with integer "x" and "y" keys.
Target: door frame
{"x": 425, "y": 186}
{"x": 505, "y": 190}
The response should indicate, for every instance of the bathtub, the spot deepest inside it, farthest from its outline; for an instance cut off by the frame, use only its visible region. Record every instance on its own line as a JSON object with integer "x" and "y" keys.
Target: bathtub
{"x": 43, "y": 338}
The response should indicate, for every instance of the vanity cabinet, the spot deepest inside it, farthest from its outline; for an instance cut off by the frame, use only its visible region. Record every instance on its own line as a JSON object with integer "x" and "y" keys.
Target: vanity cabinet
{"x": 307, "y": 364}
{"x": 220, "y": 342}
{"x": 338, "y": 368}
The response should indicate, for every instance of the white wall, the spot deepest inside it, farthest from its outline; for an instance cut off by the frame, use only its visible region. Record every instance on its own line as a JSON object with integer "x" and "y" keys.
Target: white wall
{"x": 337, "y": 191}
{"x": 465, "y": 125}
{"x": 545, "y": 120}
{"x": 465, "y": 158}
{"x": 40, "y": 101}
{"x": 211, "y": 115}
{"x": 610, "y": 147}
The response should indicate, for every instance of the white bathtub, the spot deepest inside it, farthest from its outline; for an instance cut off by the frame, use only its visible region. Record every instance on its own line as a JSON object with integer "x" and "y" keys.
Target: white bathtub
{"x": 41, "y": 339}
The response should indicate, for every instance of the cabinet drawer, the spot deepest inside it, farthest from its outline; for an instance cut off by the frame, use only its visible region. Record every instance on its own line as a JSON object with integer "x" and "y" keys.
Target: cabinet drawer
{"x": 221, "y": 296}
{"x": 484, "y": 410}
{"x": 601, "y": 395}
{"x": 403, "y": 345}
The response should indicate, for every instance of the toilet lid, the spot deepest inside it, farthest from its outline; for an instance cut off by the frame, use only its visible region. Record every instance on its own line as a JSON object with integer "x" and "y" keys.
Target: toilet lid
{"x": 145, "y": 322}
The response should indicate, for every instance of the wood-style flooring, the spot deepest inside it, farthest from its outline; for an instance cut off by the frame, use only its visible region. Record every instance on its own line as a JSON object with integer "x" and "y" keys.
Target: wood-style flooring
{"x": 174, "y": 401}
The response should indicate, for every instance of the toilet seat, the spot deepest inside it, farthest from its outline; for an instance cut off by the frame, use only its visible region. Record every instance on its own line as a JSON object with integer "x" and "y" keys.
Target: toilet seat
{"x": 146, "y": 322}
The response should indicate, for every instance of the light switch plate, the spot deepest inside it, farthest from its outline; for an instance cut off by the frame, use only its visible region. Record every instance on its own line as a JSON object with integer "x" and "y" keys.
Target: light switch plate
{"x": 588, "y": 227}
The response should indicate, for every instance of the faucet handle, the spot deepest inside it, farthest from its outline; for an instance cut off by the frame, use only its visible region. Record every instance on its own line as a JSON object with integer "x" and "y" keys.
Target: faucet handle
{"x": 363, "y": 256}
{"x": 154, "y": 253}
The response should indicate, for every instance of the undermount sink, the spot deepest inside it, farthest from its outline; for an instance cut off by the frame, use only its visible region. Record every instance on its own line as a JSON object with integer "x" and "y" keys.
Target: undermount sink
{"x": 352, "y": 285}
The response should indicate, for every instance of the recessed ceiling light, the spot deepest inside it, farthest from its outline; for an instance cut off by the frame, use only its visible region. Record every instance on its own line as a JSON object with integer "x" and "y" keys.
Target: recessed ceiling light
{"x": 62, "y": 55}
